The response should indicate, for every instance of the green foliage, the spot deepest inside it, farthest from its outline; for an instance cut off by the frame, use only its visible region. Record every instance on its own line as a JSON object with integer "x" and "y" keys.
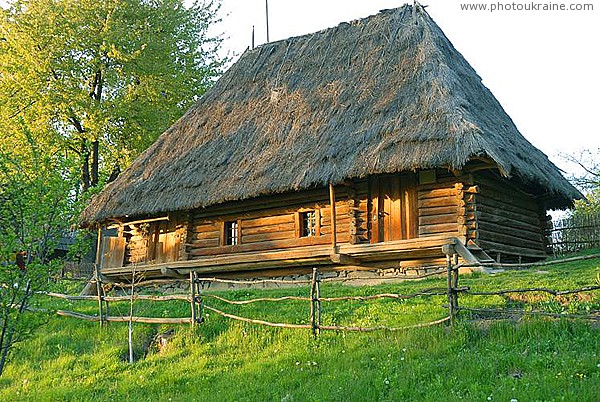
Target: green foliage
{"x": 103, "y": 76}
{"x": 35, "y": 208}
{"x": 223, "y": 360}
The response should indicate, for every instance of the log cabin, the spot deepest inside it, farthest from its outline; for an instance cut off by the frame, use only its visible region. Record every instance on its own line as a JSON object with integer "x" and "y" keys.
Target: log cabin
{"x": 369, "y": 145}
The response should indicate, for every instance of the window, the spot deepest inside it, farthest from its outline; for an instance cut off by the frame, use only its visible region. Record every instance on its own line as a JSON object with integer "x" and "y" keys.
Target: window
{"x": 232, "y": 233}
{"x": 308, "y": 223}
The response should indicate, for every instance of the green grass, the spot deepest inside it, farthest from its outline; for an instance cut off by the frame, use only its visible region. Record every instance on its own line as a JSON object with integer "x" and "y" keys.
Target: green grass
{"x": 529, "y": 359}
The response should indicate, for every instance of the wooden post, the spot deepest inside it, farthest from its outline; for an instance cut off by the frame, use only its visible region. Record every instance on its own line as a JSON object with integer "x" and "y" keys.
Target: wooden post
{"x": 318, "y": 297}
{"x": 200, "y": 311}
{"x": 130, "y": 327}
{"x": 455, "y": 282}
{"x": 313, "y": 286}
{"x": 99, "y": 292}
{"x": 333, "y": 221}
{"x": 193, "y": 297}
{"x": 451, "y": 311}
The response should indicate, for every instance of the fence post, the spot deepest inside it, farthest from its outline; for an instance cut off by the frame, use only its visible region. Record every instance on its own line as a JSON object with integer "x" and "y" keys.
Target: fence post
{"x": 130, "y": 324}
{"x": 318, "y": 298}
{"x": 455, "y": 283}
{"x": 448, "y": 249}
{"x": 99, "y": 292}
{"x": 313, "y": 287}
{"x": 193, "y": 298}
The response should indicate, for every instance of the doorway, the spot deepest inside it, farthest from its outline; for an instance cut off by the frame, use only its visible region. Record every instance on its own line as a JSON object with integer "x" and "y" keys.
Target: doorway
{"x": 394, "y": 208}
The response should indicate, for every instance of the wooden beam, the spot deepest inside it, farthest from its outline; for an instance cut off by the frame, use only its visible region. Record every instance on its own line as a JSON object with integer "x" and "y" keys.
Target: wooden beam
{"x": 171, "y": 273}
{"x": 116, "y": 225}
{"x": 344, "y": 259}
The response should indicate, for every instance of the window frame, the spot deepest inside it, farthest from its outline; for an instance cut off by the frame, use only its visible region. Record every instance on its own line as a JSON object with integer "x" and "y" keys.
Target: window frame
{"x": 226, "y": 239}
{"x": 300, "y": 222}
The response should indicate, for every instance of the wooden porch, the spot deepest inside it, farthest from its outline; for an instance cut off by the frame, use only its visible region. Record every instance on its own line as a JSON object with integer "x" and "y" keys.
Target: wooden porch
{"x": 356, "y": 256}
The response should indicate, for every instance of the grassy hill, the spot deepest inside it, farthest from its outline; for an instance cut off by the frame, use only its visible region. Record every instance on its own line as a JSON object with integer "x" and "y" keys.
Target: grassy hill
{"x": 523, "y": 359}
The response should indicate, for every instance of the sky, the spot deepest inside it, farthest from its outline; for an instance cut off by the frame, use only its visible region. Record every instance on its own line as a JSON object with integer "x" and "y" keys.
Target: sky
{"x": 543, "y": 66}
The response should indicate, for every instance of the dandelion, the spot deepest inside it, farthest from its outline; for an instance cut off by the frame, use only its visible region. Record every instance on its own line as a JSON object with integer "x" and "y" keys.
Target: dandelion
{"x": 404, "y": 349}
{"x": 297, "y": 363}
{"x": 402, "y": 358}
{"x": 514, "y": 400}
{"x": 386, "y": 381}
{"x": 489, "y": 398}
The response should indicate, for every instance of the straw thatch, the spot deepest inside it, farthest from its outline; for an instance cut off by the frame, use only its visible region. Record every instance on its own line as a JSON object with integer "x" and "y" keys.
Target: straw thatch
{"x": 383, "y": 94}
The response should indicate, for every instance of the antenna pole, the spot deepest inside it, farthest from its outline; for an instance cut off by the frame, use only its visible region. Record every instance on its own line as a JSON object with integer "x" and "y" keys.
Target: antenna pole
{"x": 267, "y": 13}
{"x": 253, "y": 37}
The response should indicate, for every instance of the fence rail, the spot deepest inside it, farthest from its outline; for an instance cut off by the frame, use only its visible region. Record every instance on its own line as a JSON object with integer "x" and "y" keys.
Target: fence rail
{"x": 197, "y": 300}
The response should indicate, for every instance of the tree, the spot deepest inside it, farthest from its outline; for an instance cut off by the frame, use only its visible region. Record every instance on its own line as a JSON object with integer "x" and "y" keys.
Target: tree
{"x": 35, "y": 208}
{"x": 101, "y": 79}
{"x": 588, "y": 180}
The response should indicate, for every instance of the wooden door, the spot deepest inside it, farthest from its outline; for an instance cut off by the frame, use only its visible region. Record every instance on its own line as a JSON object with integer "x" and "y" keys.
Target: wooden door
{"x": 113, "y": 252}
{"x": 394, "y": 208}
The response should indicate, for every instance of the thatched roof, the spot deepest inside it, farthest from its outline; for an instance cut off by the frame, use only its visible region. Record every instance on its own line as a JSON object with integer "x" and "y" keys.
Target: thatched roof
{"x": 383, "y": 94}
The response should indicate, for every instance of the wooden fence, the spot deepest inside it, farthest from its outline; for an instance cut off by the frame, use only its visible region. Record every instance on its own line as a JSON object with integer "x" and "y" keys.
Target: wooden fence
{"x": 197, "y": 300}
{"x": 77, "y": 270}
{"x": 575, "y": 233}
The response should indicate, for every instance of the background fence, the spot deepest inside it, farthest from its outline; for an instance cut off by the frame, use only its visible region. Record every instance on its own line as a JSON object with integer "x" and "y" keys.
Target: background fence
{"x": 575, "y": 233}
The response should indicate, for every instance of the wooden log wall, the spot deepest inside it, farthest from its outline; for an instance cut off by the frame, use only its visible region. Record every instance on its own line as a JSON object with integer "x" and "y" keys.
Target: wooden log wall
{"x": 441, "y": 206}
{"x": 154, "y": 242}
{"x": 268, "y": 223}
{"x": 506, "y": 221}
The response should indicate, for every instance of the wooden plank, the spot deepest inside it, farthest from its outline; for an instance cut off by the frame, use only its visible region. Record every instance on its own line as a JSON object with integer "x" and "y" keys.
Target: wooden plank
{"x": 267, "y": 229}
{"x": 437, "y": 193}
{"x": 205, "y": 243}
{"x": 515, "y": 232}
{"x": 502, "y": 238}
{"x": 200, "y": 226}
{"x": 437, "y": 211}
{"x": 376, "y": 229}
{"x": 275, "y": 244}
{"x": 318, "y": 222}
{"x": 488, "y": 207}
{"x": 437, "y": 219}
{"x": 269, "y": 221}
{"x": 341, "y": 229}
{"x": 441, "y": 228}
{"x": 500, "y": 220}
{"x": 410, "y": 208}
{"x": 333, "y": 216}
{"x": 216, "y": 234}
{"x": 113, "y": 252}
{"x": 438, "y": 202}
{"x": 396, "y": 212}
{"x": 500, "y": 191}
{"x": 343, "y": 219}
{"x": 290, "y": 234}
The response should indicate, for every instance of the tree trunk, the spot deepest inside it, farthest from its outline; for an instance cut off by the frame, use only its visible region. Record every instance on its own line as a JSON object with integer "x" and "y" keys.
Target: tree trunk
{"x": 85, "y": 167}
{"x": 95, "y": 163}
